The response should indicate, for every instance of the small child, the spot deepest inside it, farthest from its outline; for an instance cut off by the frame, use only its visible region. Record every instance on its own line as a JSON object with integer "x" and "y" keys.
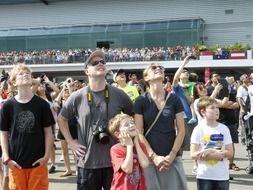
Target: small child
{"x": 129, "y": 156}
{"x": 211, "y": 146}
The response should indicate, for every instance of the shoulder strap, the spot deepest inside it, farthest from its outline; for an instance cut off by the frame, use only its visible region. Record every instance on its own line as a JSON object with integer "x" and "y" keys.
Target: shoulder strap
{"x": 157, "y": 116}
{"x": 245, "y": 87}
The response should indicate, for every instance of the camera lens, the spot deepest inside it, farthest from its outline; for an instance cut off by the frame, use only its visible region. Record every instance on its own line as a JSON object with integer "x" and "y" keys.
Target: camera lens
{"x": 104, "y": 138}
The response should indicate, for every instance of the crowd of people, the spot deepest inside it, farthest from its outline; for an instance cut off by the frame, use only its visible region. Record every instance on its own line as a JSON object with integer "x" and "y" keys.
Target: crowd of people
{"x": 130, "y": 134}
{"x": 81, "y": 55}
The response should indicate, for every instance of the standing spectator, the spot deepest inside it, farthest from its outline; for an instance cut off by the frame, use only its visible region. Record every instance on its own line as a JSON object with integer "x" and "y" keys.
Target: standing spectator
{"x": 183, "y": 88}
{"x": 132, "y": 79}
{"x": 242, "y": 95}
{"x": 167, "y": 84}
{"x": 28, "y": 119}
{"x": 211, "y": 146}
{"x": 128, "y": 156}
{"x": 120, "y": 79}
{"x": 250, "y": 92}
{"x": 8, "y": 93}
{"x": 41, "y": 86}
{"x": 163, "y": 137}
{"x": 4, "y": 178}
{"x": 93, "y": 106}
{"x": 58, "y": 103}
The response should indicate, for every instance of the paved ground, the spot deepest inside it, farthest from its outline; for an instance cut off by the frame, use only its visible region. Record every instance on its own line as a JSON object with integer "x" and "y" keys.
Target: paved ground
{"x": 242, "y": 181}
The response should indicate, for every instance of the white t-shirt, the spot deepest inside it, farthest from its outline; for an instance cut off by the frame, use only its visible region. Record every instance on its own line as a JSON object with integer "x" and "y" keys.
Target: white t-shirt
{"x": 250, "y": 91}
{"x": 242, "y": 93}
{"x": 212, "y": 138}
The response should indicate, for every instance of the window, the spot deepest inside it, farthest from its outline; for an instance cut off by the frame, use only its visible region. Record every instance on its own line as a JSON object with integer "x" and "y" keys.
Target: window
{"x": 80, "y": 29}
{"x": 156, "y": 26}
{"x": 63, "y": 30}
{"x": 99, "y": 28}
{"x": 114, "y": 28}
{"x": 133, "y": 27}
{"x": 229, "y": 11}
{"x": 18, "y": 32}
{"x": 180, "y": 24}
{"x": 37, "y": 31}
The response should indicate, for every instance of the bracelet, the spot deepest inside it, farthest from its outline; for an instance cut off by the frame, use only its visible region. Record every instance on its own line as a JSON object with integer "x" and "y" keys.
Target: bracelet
{"x": 152, "y": 155}
{"x": 6, "y": 162}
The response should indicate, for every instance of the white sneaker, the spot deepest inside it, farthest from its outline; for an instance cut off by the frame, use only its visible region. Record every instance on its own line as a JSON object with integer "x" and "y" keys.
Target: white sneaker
{"x": 61, "y": 158}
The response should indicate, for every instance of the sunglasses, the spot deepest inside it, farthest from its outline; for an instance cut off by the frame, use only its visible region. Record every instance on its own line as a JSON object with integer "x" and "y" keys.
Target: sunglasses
{"x": 94, "y": 63}
{"x": 154, "y": 67}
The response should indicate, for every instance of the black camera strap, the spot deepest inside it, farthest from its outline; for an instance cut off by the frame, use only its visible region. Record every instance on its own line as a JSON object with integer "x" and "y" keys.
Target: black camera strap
{"x": 91, "y": 100}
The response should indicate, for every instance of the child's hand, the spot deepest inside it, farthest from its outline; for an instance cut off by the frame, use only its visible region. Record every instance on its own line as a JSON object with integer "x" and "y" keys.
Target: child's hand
{"x": 136, "y": 139}
{"x": 205, "y": 153}
{"x": 126, "y": 139}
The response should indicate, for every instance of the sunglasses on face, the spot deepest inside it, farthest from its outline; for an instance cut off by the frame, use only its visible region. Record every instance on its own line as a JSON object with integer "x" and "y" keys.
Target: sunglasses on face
{"x": 94, "y": 63}
{"x": 154, "y": 67}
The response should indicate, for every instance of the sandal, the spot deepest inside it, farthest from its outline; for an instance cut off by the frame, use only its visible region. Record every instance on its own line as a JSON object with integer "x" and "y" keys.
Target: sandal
{"x": 66, "y": 174}
{"x": 234, "y": 167}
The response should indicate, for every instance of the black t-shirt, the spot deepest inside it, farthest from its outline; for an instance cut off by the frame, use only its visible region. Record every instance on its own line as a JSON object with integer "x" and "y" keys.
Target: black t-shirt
{"x": 210, "y": 90}
{"x": 162, "y": 136}
{"x": 227, "y": 116}
{"x": 25, "y": 123}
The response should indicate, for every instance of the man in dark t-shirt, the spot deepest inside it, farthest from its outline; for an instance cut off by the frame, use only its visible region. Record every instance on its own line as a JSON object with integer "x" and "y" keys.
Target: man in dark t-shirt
{"x": 93, "y": 106}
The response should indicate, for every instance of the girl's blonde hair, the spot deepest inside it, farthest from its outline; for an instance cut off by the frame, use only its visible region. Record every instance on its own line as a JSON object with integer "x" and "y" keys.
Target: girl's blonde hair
{"x": 17, "y": 68}
{"x": 114, "y": 123}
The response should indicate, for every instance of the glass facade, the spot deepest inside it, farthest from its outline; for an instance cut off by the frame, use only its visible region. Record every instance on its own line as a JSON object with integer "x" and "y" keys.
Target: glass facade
{"x": 127, "y": 35}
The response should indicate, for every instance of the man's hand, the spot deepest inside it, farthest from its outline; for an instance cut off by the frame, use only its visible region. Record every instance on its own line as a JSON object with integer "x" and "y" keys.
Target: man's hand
{"x": 78, "y": 149}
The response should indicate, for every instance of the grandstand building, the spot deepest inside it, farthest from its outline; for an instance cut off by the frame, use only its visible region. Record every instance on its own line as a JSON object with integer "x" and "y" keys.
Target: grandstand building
{"x": 27, "y": 25}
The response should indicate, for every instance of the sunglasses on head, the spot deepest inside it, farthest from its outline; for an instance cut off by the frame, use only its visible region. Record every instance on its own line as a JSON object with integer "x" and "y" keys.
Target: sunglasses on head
{"x": 154, "y": 67}
{"x": 94, "y": 63}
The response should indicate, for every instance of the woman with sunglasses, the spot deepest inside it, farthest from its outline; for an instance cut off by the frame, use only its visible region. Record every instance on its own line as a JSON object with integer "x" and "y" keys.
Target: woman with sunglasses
{"x": 164, "y": 139}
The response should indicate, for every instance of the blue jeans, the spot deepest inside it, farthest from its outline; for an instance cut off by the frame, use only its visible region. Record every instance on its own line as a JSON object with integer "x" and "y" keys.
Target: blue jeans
{"x": 205, "y": 184}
